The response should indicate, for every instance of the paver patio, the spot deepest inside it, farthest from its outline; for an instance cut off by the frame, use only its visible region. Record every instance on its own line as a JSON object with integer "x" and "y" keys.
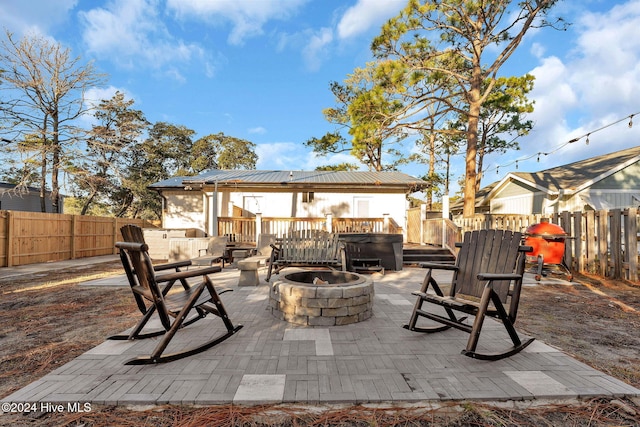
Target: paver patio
{"x": 272, "y": 361}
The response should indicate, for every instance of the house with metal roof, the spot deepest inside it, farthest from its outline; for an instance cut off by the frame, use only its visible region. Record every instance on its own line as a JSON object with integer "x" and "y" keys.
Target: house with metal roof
{"x": 27, "y": 199}
{"x": 609, "y": 181}
{"x": 198, "y": 201}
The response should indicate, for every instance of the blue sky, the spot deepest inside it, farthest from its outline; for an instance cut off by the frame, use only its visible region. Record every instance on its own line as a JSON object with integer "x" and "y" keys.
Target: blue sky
{"x": 260, "y": 69}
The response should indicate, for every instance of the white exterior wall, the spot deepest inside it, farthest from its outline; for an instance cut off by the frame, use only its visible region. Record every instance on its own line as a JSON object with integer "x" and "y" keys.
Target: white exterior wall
{"x": 183, "y": 209}
{"x": 186, "y": 209}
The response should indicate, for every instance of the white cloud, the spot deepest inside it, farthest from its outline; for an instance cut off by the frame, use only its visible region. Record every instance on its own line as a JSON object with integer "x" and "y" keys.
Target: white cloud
{"x": 37, "y": 16}
{"x": 607, "y": 69}
{"x": 93, "y": 96}
{"x": 595, "y": 84}
{"x": 258, "y": 130}
{"x": 366, "y": 14}
{"x": 280, "y": 155}
{"x": 246, "y": 17}
{"x": 131, "y": 33}
{"x": 317, "y": 48}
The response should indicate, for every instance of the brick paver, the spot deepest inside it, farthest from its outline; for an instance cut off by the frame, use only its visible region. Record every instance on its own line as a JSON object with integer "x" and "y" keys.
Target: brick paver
{"x": 270, "y": 360}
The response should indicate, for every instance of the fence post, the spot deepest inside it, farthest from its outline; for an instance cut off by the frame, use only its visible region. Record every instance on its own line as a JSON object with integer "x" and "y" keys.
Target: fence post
{"x": 385, "y": 223}
{"x": 10, "y": 228}
{"x": 423, "y": 217}
{"x": 578, "y": 246}
{"x": 73, "y": 236}
{"x": 114, "y": 250}
{"x": 631, "y": 243}
{"x": 603, "y": 242}
{"x": 615, "y": 244}
{"x": 258, "y": 225}
{"x": 329, "y": 222}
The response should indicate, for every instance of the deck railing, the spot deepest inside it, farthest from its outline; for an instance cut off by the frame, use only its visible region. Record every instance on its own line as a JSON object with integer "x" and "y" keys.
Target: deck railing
{"x": 247, "y": 229}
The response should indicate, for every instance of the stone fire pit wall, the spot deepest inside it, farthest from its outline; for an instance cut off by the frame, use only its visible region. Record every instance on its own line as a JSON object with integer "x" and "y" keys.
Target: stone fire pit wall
{"x": 322, "y": 304}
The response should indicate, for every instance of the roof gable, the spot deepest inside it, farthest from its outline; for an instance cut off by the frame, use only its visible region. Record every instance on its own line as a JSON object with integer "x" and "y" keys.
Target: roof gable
{"x": 576, "y": 176}
{"x": 570, "y": 178}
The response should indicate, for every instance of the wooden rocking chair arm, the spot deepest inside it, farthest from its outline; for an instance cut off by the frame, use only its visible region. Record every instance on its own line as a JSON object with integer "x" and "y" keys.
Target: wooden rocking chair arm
{"x": 187, "y": 274}
{"x": 499, "y": 276}
{"x": 439, "y": 266}
{"x": 172, "y": 265}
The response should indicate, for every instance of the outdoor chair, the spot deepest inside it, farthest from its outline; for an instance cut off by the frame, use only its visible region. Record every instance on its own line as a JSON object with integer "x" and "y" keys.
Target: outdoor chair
{"x": 487, "y": 280}
{"x": 215, "y": 252}
{"x": 316, "y": 249}
{"x": 176, "y": 309}
{"x": 263, "y": 245}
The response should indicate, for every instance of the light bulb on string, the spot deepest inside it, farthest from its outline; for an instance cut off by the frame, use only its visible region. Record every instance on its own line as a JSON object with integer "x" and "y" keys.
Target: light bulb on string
{"x": 578, "y": 138}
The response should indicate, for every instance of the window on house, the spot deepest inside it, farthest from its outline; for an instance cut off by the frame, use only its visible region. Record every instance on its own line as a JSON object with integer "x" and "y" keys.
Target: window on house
{"x": 307, "y": 197}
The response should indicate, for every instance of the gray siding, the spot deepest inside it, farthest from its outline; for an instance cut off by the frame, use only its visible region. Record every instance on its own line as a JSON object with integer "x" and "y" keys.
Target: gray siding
{"x": 626, "y": 179}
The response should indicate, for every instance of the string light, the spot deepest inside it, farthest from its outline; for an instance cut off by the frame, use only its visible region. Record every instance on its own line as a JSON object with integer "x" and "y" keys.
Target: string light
{"x": 571, "y": 141}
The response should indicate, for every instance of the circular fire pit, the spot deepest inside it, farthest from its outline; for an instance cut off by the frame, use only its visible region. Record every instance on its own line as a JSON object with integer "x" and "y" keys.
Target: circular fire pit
{"x": 322, "y": 298}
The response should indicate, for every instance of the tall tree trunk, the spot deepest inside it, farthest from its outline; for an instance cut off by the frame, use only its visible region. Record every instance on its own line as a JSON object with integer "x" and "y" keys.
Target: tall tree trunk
{"x": 475, "y": 103}
{"x": 55, "y": 166}
{"x": 432, "y": 168}
{"x": 43, "y": 181}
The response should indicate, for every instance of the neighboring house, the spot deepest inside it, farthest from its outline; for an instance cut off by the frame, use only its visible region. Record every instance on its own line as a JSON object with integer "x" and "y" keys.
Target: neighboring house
{"x": 603, "y": 182}
{"x": 23, "y": 199}
{"x": 197, "y": 201}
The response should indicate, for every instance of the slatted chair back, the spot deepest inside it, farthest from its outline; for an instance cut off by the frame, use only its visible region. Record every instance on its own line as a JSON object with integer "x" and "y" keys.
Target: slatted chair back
{"x": 217, "y": 246}
{"x": 132, "y": 233}
{"x": 321, "y": 248}
{"x": 263, "y": 245}
{"x": 486, "y": 251}
{"x": 144, "y": 285}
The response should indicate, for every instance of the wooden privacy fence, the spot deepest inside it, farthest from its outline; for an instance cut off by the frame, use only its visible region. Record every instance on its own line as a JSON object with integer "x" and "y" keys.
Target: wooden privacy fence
{"x": 34, "y": 237}
{"x": 603, "y": 243}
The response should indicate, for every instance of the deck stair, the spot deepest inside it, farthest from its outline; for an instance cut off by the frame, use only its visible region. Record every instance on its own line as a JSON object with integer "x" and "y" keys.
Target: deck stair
{"x": 415, "y": 254}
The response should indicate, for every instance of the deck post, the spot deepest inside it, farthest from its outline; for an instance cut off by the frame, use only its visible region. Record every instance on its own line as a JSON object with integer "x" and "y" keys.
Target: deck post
{"x": 423, "y": 217}
{"x": 329, "y": 222}
{"x": 258, "y": 225}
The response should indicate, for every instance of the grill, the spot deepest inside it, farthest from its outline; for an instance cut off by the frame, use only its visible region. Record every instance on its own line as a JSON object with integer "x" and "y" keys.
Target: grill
{"x": 548, "y": 246}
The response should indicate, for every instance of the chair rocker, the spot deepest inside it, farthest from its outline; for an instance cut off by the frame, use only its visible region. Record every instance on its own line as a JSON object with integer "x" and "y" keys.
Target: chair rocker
{"x": 175, "y": 310}
{"x": 486, "y": 276}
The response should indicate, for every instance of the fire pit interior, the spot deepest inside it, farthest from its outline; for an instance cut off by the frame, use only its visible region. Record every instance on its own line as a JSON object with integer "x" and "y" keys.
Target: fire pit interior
{"x": 322, "y": 298}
